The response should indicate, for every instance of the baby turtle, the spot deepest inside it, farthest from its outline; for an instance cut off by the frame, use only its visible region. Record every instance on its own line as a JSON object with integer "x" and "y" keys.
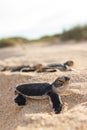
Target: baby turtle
{"x": 62, "y": 67}
{"x": 31, "y": 68}
{"x": 19, "y": 68}
{"x": 24, "y": 91}
{"x": 41, "y": 68}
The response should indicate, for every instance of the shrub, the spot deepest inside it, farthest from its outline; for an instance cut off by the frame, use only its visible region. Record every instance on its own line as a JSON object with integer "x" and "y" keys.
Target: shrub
{"x": 12, "y": 41}
{"x": 76, "y": 33}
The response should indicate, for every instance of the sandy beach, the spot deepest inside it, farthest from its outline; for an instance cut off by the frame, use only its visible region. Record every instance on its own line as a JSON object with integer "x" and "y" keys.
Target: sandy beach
{"x": 38, "y": 114}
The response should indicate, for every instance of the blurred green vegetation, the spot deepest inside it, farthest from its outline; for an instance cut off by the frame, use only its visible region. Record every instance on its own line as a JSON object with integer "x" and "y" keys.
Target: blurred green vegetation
{"x": 49, "y": 38}
{"x": 77, "y": 33}
{"x": 12, "y": 41}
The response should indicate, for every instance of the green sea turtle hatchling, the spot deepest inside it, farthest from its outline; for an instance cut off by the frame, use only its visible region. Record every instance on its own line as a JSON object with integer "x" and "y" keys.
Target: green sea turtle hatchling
{"x": 62, "y": 67}
{"x": 19, "y": 68}
{"x": 35, "y": 90}
{"x": 38, "y": 68}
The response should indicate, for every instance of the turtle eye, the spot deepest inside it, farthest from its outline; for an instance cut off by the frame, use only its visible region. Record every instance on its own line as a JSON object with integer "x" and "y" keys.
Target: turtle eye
{"x": 15, "y": 92}
{"x": 61, "y": 81}
{"x": 67, "y": 78}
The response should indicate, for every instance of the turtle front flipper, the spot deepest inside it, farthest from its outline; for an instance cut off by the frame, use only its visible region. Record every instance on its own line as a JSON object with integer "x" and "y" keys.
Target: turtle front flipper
{"x": 55, "y": 99}
{"x": 20, "y": 100}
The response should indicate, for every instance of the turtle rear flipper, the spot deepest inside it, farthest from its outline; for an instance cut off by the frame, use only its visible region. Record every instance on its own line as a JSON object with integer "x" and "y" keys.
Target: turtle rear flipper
{"x": 20, "y": 100}
{"x": 55, "y": 99}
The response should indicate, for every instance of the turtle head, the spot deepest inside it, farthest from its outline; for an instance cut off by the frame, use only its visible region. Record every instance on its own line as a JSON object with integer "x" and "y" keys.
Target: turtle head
{"x": 60, "y": 84}
{"x": 69, "y": 63}
{"x": 61, "y": 81}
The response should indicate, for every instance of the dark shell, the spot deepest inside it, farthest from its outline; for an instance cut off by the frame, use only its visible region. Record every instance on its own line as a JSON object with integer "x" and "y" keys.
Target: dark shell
{"x": 36, "y": 89}
{"x": 46, "y": 70}
{"x": 18, "y": 68}
{"x": 53, "y": 65}
{"x": 28, "y": 69}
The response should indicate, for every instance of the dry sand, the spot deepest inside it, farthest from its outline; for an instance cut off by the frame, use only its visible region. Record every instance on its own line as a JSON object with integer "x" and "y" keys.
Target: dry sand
{"x": 38, "y": 114}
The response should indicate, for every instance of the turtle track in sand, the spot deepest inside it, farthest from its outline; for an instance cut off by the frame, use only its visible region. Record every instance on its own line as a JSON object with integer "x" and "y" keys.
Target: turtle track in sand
{"x": 38, "y": 113}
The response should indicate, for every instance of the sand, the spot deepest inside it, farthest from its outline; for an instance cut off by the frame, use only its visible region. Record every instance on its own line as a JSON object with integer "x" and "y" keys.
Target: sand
{"x": 38, "y": 114}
